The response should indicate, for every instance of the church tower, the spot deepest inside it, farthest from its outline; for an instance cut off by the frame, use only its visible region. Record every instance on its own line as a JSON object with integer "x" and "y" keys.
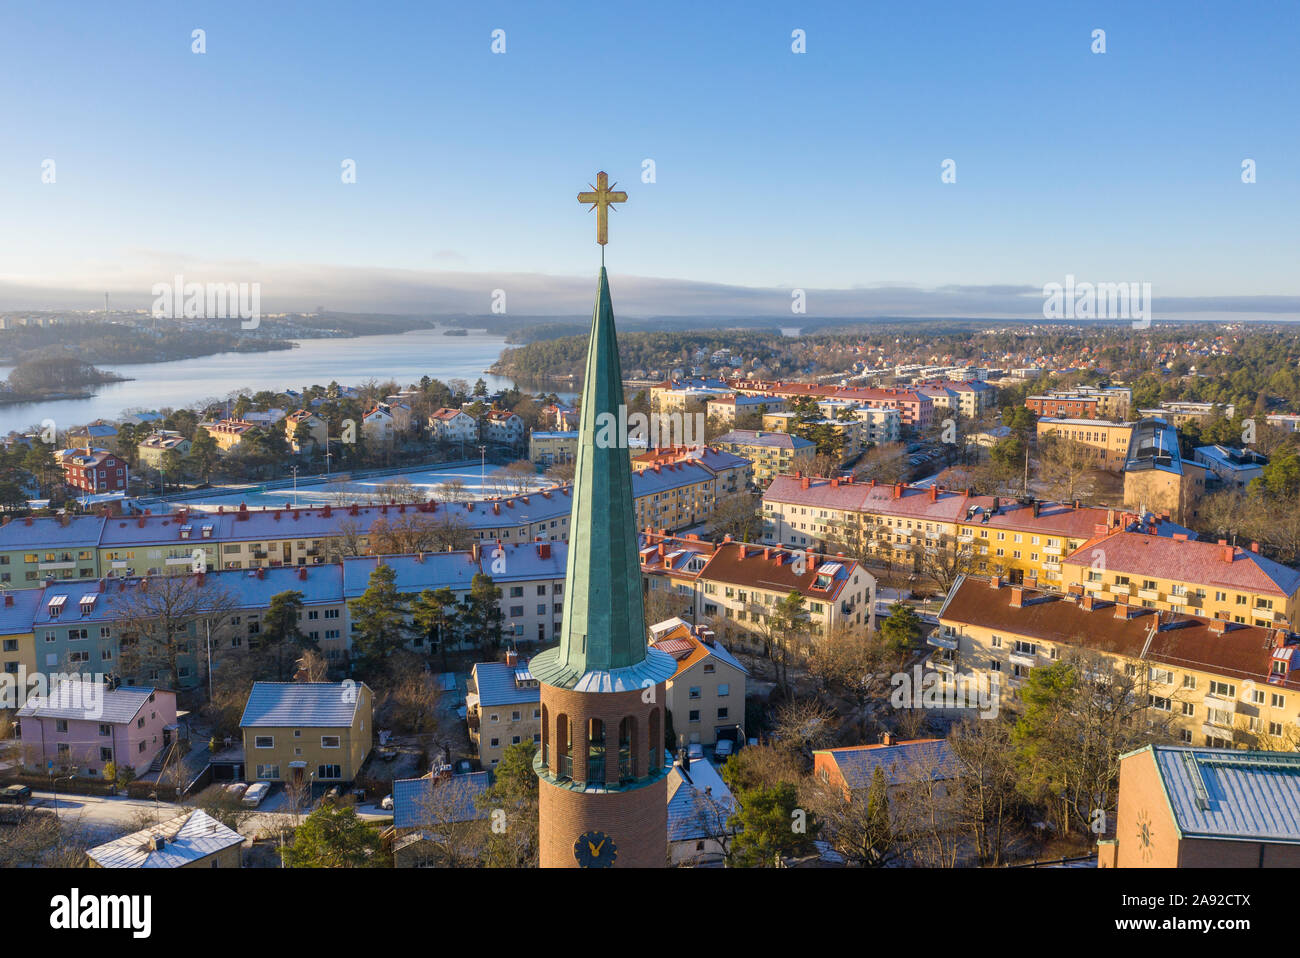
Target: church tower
{"x": 603, "y": 786}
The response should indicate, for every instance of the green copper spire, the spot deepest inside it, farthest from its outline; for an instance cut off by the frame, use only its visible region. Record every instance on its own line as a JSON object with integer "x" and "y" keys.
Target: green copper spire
{"x": 604, "y": 624}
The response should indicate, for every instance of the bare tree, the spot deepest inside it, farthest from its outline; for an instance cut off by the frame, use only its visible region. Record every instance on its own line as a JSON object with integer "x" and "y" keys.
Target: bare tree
{"x": 163, "y": 619}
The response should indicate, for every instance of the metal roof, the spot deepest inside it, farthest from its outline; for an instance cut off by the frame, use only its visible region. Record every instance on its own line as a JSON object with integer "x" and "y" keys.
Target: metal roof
{"x": 1232, "y": 794}
{"x": 693, "y": 812}
{"x": 495, "y": 682}
{"x": 85, "y": 699}
{"x": 901, "y": 761}
{"x": 186, "y": 838}
{"x": 422, "y": 802}
{"x": 302, "y": 704}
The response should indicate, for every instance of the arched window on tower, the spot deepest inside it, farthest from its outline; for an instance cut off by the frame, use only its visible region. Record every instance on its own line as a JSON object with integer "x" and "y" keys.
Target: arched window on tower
{"x": 563, "y": 747}
{"x": 546, "y": 739}
{"x": 656, "y": 753}
{"x": 596, "y": 752}
{"x": 627, "y": 763}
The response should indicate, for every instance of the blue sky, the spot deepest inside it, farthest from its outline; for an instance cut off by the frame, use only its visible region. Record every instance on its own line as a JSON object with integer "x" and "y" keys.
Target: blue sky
{"x": 774, "y": 170}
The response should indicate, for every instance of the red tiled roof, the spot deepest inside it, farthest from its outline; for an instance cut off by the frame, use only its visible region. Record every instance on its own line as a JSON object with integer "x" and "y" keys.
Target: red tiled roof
{"x": 1181, "y": 561}
{"x": 1182, "y": 641}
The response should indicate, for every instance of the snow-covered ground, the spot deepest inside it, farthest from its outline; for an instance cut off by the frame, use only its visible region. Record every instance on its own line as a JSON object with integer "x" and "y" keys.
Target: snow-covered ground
{"x": 424, "y": 482}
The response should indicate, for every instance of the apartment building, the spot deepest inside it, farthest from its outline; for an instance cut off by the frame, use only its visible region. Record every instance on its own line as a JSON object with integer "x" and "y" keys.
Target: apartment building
{"x": 151, "y": 450}
{"x": 1082, "y": 402}
{"x": 315, "y": 431}
{"x": 727, "y": 409}
{"x": 227, "y": 433}
{"x": 504, "y": 427}
{"x": 1106, "y": 441}
{"x": 705, "y": 697}
{"x": 1179, "y": 574}
{"x": 1213, "y": 682}
{"x": 687, "y": 396}
{"x": 772, "y": 453}
{"x": 909, "y": 526}
{"x": 33, "y": 549}
{"x": 93, "y": 470}
{"x": 503, "y": 708}
{"x": 732, "y": 586}
{"x": 453, "y": 425}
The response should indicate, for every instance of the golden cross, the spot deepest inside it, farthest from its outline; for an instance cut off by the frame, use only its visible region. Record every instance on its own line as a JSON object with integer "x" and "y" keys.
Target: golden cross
{"x": 602, "y": 196}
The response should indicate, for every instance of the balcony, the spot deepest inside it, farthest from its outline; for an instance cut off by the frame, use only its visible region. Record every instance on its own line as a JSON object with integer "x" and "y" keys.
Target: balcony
{"x": 966, "y": 537}
{"x": 1052, "y": 550}
{"x": 1217, "y": 731}
{"x": 947, "y": 666}
{"x": 1093, "y": 586}
{"x": 52, "y": 566}
{"x": 1024, "y": 658}
{"x": 1118, "y": 589}
{"x": 941, "y": 641}
{"x": 1175, "y": 599}
{"x": 1220, "y": 702}
{"x": 1151, "y": 594}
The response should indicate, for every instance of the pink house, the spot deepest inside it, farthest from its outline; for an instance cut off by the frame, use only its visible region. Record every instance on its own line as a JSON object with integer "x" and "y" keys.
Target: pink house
{"x": 82, "y": 725}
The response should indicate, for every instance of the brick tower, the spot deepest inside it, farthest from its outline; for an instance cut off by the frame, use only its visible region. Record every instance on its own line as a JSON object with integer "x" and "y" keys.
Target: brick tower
{"x": 603, "y": 786}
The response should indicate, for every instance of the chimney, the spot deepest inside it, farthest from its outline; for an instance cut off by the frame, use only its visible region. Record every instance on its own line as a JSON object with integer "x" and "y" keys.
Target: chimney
{"x": 1037, "y": 506}
{"x": 835, "y": 483}
{"x": 995, "y": 582}
{"x": 512, "y": 657}
{"x": 1110, "y": 518}
{"x": 934, "y": 493}
{"x": 302, "y": 573}
{"x": 199, "y": 579}
{"x": 1088, "y": 602}
{"x": 261, "y": 572}
{"x": 887, "y": 739}
{"x": 475, "y": 551}
{"x": 1254, "y": 547}
{"x": 1017, "y": 597}
{"x": 9, "y": 599}
{"x": 1226, "y": 553}
{"x": 1121, "y": 607}
{"x": 898, "y": 490}
{"x": 803, "y": 483}
{"x": 1218, "y": 626}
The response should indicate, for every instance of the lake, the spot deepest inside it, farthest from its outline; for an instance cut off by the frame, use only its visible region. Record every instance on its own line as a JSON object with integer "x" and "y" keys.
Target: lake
{"x": 404, "y": 357}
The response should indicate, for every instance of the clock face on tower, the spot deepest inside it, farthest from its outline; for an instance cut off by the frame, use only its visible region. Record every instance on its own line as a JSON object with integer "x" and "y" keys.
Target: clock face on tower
{"x": 595, "y": 850}
{"x": 1144, "y": 835}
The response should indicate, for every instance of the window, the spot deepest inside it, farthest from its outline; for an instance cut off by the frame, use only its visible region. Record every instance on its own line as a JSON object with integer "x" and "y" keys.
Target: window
{"x": 268, "y": 771}
{"x": 1223, "y": 690}
{"x": 105, "y": 729}
{"x": 1278, "y": 701}
{"x": 722, "y": 713}
{"x": 329, "y": 741}
{"x": 724, "y": 689}
{"x": 60, "y": 725}
{"x": 694, "y": 715}
{"x": 695, "y": 692}
{"x": 264, "y": 741}
{"x": 329, "y": 771}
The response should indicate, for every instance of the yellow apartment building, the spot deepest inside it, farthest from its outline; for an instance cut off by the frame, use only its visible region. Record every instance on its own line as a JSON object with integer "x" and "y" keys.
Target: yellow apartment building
{"x": 1172, "y": 573}
{"x": 1211, "y": 682}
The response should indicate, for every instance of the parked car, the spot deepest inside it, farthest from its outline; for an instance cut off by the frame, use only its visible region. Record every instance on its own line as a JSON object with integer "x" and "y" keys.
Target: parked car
{"x": 386, "y": 803}
{"x": 253, "y": 797}
{"x": 235, "y": 789}
{"x": 463, "y": 767}
{"x": 15, "y": 794}
{"x": 695, "y": 751}
{"x": 722, "y": 751}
